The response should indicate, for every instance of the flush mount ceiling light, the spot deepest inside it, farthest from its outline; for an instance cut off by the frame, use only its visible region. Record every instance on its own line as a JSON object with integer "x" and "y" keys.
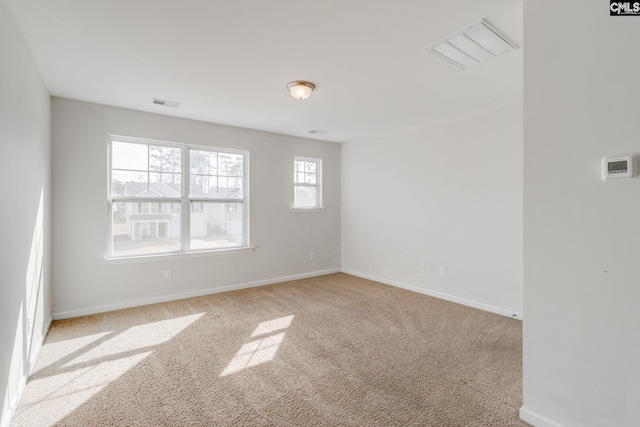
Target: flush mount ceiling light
{"x": 301, "y": 89}
{"x": 472, "y": 45}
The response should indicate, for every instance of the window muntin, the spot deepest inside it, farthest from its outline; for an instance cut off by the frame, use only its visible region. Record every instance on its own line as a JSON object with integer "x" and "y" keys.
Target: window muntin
{"x": 174, "y": 198}
{"x": 307, "y": 180}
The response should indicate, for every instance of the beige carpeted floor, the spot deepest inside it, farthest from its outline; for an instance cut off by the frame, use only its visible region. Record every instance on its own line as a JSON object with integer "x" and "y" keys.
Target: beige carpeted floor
{"x": 333, "y": 350}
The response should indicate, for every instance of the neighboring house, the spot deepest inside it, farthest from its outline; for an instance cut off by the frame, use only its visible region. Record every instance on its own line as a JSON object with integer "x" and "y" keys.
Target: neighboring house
{"x": 146, "y": 220}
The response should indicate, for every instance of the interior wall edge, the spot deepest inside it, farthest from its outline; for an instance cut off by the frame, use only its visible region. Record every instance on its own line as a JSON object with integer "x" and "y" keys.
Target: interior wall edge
{"x": 440, "y": 295}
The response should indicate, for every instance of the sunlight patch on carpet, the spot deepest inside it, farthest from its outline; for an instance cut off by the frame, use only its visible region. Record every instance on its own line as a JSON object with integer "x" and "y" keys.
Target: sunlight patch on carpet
{"x": 272, "y": 326}
{"x": 136, "y": 338}
{"x": 60, "y": 350}
{"x": 80, "y": 368}
{"x": 55, "y": 402}
{"x": 262, "y": 350}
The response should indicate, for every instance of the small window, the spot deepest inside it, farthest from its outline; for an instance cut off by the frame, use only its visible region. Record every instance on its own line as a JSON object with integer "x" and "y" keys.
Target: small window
{"x": 307, "y": 183}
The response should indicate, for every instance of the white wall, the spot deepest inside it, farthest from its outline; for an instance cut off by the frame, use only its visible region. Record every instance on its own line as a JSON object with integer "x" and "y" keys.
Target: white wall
{"x": 283, "y": 239}
{"x": 446, "y": 194}
{"x": 24, "y": 211}
{"x": 581, "y": 235}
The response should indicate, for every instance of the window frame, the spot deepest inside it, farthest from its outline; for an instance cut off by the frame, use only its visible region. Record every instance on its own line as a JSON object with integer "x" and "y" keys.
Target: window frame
{"x": 318, "y": 185}
{"x": 184, "y": 201}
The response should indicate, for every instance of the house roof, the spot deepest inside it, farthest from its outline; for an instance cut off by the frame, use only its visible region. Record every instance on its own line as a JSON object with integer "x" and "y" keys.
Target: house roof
{"x": 173, "y": 191}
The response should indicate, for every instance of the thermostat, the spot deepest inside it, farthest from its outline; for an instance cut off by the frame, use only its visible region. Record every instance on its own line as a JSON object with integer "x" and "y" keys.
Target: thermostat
{"x": 619, "y": 167}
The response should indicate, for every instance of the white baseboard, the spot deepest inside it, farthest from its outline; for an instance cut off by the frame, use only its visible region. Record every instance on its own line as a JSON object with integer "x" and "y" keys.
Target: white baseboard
{"x": 198, "y": 293}
{"x": 9, "y": 410}
{"x": 536, "y": 420}
{"x": 436, "y": 294}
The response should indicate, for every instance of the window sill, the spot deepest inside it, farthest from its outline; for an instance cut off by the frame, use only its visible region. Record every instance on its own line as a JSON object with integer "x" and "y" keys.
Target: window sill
{"x": 177, "y": 255}
{"x": 308, "y": 209}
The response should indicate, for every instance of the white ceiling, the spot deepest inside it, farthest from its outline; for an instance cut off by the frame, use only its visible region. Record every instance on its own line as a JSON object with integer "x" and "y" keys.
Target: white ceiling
{"x": 228, "y": 61}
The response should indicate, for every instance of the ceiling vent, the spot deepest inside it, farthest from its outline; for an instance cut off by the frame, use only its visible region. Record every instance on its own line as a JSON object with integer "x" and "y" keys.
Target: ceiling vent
{"x": 166, "y": 103}
{"x": 318, "y": 132}
{"x": 472, "y": 45}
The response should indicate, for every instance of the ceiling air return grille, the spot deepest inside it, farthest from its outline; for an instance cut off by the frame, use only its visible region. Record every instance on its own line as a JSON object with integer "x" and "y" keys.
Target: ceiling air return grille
{"x": 472, "y": 45}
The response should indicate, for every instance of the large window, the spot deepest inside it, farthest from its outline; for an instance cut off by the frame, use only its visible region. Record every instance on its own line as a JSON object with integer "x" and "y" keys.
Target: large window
{"x": 307, "y": 183}
{"x": 170, "y": 198}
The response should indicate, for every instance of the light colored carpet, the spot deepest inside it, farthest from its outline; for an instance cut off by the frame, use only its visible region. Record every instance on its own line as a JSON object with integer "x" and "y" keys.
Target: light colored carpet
{"x": 333, "y": 350}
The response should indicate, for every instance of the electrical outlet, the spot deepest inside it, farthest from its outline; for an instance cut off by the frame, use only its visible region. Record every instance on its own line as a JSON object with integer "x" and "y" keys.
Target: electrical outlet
{"x": 422, "y": 268}
{"x": 168, "y": 274}
{"x": 312, "y": 256}
{"x": 443, "y": 271}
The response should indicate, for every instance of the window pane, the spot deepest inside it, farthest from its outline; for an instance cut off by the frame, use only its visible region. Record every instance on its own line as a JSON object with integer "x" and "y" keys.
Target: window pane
{"x": 305, "y": 196}
{"x": 310, "y": 178}
{"x": 233, "y": 190}
{"x": 310, "y": 167}
{"x": 155, "y": 158}
{"x": 125, "y": 155}
{"x": 228, "y": 188}
{"x": 216, "y": 175}
{"x": 300, "y": 177}
{"x": 223, "y": 183}
{"x": 230, "y": 164}
{"x": 217, "y": 225}
{"x": 129, "y": 184}
{"x": 141, "y": 228}
{"x": 203, "y": 186}
{"x": 203, "y": 162}
{"x": 165, "y": 159}
{"x": 299, "y": 166}
{"x": 164, "y": 185}
{"x": 213, "y": 163}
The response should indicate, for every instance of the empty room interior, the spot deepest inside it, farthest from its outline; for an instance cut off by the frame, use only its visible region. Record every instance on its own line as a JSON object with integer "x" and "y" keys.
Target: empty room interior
{"x": 287, "y": 213}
